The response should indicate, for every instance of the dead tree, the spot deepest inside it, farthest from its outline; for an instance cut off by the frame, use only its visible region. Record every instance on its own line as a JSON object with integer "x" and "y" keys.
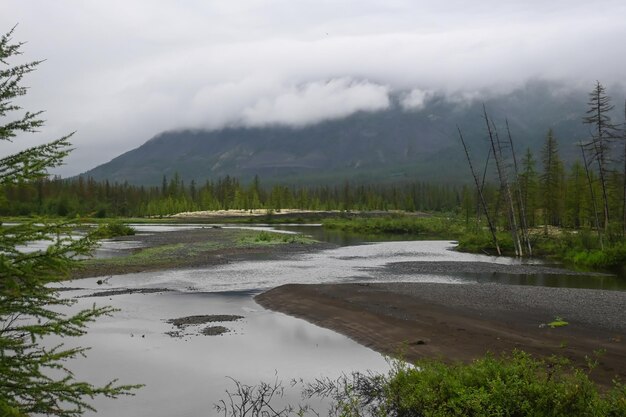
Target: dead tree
{"x": 496, "y": 148}
{"x": 598, "y": 115}
{"x": 482, "y": 185}
{"x": 492, "y": 229}
{"x": 624, "y": 179}
{"x": 592, "y": 195}
{"x": 520, "y": 200}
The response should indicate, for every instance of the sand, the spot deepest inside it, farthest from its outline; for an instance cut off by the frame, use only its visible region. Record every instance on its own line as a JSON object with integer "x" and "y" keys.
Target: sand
{"x": 461, "y": 322}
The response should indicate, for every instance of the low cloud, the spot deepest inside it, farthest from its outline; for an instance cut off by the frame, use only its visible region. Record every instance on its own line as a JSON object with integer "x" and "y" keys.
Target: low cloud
{"x": 317, "y": 101}
{"x": 415, "y": 99}
{"x": 119, "y": 78}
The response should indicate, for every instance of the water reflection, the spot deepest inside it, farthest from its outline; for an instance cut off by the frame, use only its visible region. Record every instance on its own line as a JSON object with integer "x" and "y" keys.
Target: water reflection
{"x": 597, "y": 282}
{"x": 185, "y": 376}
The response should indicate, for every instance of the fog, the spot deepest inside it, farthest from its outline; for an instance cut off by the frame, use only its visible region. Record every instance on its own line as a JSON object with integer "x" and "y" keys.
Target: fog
{"x": 119, "y": 72}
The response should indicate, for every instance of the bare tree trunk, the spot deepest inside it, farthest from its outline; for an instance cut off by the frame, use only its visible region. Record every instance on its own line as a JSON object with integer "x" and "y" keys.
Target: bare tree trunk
{"x": 522, "y": 210}
{"x": 497, "y": 154}
{"x": 482, "y": 186}
{"x": 593, "y": 196}
{"x": 624, "y": 196}
{"x": 605, "y": 199}
{"x": 480, "y": 193}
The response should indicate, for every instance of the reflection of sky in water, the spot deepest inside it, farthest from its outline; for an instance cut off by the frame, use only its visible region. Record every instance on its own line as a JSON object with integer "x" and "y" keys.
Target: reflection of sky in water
{"x": 347, "y": 263}
{"x": 156, "y": 228}
{"x": 184, "y": 377}
{"x": 110, "y": 248}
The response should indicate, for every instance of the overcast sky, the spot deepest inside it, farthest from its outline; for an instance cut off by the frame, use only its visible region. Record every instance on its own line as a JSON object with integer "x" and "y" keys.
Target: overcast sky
{"x": 120, "y": 71}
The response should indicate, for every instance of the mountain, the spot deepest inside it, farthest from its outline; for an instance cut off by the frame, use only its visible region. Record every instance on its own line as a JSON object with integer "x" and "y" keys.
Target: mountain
{"x": 390, "y": 145}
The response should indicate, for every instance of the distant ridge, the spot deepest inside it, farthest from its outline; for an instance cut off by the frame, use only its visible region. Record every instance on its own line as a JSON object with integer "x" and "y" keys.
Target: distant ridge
{"x": 390, "y": 145}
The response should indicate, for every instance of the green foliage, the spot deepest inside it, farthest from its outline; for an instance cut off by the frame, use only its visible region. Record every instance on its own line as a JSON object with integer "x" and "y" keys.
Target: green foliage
{"x": 516, "y": 385}
{"x": 558, "y": 322}
{"x": 576, "y": 247}
{"x": 481, "y": 242}
{"x": 113, "y": 229}
{"x": 33, "y": 377}
{"x": 610, "y": 256}
{"x": 552, "y": 181}
{"x": 436, "y": 226}
{"x": 87, "y": 197}
{"x": 272, "y": 238}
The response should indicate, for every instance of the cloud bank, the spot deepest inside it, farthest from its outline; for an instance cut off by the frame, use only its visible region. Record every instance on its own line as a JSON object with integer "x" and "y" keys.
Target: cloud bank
{"x": 120, "y": 72}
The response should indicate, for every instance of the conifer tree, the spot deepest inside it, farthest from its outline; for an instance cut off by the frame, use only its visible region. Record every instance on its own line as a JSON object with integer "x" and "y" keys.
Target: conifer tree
{"x": 603, "y": 132}
{"x": 33, "y": 377}
{"x": 551, "y": 182}
{"x": 529, "y": 185}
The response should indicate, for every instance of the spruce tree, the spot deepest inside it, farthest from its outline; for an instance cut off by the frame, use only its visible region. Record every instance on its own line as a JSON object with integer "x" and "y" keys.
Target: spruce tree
{"x": 33, "y": 376}
{"x": 529, "y": 186}
{"x": 552, "y": 182}
{"x": 603, "y": 132}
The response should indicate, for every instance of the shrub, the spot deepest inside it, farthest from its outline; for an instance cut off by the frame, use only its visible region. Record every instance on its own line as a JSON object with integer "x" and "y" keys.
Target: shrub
{"x": 515, "y": 385}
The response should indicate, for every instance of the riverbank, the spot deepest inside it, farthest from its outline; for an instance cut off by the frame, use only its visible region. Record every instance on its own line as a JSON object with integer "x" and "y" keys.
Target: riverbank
{"x": 194, "y": 248}
{"x": 459, "y": 322}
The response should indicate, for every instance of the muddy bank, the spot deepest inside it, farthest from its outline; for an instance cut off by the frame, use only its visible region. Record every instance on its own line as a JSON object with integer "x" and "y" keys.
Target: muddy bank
{"x": 195, "y": 248}
{"x": 183, "y": 324}
{"x": 463, "y": 322}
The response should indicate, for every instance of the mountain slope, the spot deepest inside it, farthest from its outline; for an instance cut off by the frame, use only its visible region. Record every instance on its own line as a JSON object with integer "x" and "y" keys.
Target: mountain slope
{"x": 389, "y": 145}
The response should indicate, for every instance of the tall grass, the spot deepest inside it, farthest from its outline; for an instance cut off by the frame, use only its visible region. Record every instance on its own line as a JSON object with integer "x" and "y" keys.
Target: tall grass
{"x": 441, "y": 227}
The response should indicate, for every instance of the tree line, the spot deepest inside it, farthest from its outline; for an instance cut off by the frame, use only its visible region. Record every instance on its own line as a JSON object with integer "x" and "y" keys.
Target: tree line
{"x": 87, "y": 197}
{"x": 590, "y": 194}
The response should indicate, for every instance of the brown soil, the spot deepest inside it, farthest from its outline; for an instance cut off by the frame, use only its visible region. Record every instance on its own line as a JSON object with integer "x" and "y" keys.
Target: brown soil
{"x": 407, "y": 319}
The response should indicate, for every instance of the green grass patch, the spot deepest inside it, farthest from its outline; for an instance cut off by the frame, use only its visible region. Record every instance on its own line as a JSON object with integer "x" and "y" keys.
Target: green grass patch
{"x": 431, "y": 227}
{"x": 271, "y": 238}
{"x": 158, "y": 255}
{"x": 187, "y": 254}
{"x": 482, "y": 242}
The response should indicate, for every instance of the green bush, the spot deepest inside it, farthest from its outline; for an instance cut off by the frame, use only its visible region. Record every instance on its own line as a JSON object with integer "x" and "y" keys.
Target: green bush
{"x": 516, "y": 385}
{"x": 609, "y": 257}
{"x": 482, "y": 241}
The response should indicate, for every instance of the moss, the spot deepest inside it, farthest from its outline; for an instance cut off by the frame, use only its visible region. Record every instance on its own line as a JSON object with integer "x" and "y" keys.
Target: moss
{"x": 558, "y": 322}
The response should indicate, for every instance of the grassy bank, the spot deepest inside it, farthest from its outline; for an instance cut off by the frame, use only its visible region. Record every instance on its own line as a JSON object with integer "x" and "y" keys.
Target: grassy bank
{"x": 579, "y": 248}
{"x": 424, "y": 227}
{"x": 190, "y": 248}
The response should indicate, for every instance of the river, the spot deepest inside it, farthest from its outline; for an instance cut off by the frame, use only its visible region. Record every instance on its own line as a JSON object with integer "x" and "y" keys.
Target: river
{"x": 185, "y": 376}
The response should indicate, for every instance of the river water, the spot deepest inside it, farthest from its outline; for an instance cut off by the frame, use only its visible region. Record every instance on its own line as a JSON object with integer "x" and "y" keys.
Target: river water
{"x": 186, "y": 375}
